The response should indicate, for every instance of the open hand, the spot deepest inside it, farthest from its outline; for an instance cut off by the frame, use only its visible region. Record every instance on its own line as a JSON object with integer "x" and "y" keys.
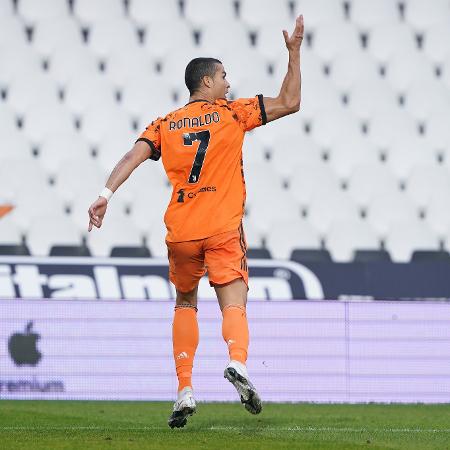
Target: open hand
{"x": 294, "y": 41}
{"x": 96, "y": 212}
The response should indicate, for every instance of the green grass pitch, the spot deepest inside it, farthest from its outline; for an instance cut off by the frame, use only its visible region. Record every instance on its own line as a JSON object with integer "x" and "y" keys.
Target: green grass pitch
{"x": 48, "y": 425}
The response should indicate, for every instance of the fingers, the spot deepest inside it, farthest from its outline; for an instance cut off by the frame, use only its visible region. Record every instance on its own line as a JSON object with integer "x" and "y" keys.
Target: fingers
{"x": 299, "y": 26}
{"x": 93, "y": 219}
{"x": 286, "y": 36}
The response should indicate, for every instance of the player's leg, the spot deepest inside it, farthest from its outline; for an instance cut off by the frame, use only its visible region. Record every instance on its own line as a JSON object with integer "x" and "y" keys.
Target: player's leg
{"x": 232, "y": 299}
{"x": 185, "y": 336}
{"x": 225, "y": 257}
{"x": 186, "y": 269}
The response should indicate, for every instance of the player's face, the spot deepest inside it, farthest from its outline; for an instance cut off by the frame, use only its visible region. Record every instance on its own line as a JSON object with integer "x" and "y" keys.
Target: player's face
{"x": 220, "y": 83}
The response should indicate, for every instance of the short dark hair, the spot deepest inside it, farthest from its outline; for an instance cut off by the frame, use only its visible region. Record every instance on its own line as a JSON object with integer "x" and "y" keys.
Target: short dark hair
{"x": 197, "y": 69}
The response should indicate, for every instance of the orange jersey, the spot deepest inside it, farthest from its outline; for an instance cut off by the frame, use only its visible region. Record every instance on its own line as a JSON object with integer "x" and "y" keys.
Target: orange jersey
{"x": 201, "y": 149}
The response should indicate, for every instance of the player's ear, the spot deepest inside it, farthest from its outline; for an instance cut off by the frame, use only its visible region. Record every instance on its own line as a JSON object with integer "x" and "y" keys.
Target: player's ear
{"x": 208, "y": 81}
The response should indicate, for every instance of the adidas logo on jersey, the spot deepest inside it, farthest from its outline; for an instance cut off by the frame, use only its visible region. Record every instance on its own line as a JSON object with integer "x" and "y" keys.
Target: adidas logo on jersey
{"x": 230, "y": 341}
{"x": 182, "y": 355}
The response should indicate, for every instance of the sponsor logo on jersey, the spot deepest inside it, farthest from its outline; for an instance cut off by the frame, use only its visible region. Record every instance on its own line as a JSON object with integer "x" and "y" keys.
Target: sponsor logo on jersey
{"x": 202, "y": 189}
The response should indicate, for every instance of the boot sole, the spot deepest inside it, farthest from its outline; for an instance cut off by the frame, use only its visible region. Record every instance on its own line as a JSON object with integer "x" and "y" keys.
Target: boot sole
{"x": 249, "y": 397}
{"x": 178, "y": 419}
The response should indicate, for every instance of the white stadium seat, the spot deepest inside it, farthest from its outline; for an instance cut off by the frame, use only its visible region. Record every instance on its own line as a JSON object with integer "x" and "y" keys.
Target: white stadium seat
{"x": 6, "y": 10}
{"x": 13, "y": 30}
{"x": 261, "y": 178}
{"x": 263, "y": 208}
{"x": 407, "y": 151}
{"x": 90, "y": 12}
{"x": 320, "y": 12}
{"x": 15, "y": 145}
{"x": 350, "y": 151}
{"x": 8, "y": 125}
{"x": 51, "y": 34}
{"x": 389, "y": 122}
{"x": 42, "y": 120}
{"x": 112, "y": 34}
{"x": 86, "y": 90}
{"x": 328, "y": 205}
{"x": 113, "y": 146}
{"x": 25, "y": 91}
{"x": 49, "y": 230}
{"x": 261, "y": 83}
{"x": 368, "y": 180}
{"x": 156, "y": 239}
{"x": 347, "y": 235}
{"x": 214, "y": 37}
{"x": 60, "y": 146}
{"x": 99, "y": 122}
{"x": 333, "y": 39}
{"x": 404, "y": 69}
{"x": 425, "y": 181}
{"x": 10, "y": 233}
{"x": 148, "y": 176}
{"x": 119, "y": 62}
{"x": 158, "y": 45}
{"x": 258, "y": 13}
{"x": 145, "y": 13}
{"x": 114, "y": 232}
{"x": 254, "y": 149}
{"x": 147, "y": 103}
{"x": 201, "y": 12}
{"x": 423, "y": 16}
{"x": 349, "y": 68}
{"x": 77, "y": 174}
{"x": 389, "y": 207}
{"x": 310, "y": 178}
{"x": 368, "y": 96}
{"x": 67, "y": 60}
{"x": 405, "y": 236}
{"x": 438, "y": 131}
{"x": 253, "y": 236}
{"x": 326, "y": 130}
{"x": 369, "y": 15}
{"x": 321, "y": 99}
{"x": 290, "y": 152}
{"x": 387, "y": 40}
{"x": 438, "y": 214}
{"x": 14, "y": 170}
{"x": 422, "y": 103}
{"x": 43, "y": 201}
{"x": 149, "y": 206}
{"x": 34, "y": 12}
{"x": 285, "y": 236}
{"x": 437, "y": 42}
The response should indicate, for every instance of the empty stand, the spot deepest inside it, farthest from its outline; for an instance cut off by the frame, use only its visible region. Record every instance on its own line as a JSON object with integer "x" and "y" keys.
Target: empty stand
{"x": 364, "y": 163}
{"x": 344, "y": 237}
{"x": 294, "y": 233}
{"x": 405, "y": 236}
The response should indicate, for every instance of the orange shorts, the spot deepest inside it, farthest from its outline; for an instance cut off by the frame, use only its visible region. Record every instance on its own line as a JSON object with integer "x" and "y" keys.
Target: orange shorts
{"x": 223, "y": 256}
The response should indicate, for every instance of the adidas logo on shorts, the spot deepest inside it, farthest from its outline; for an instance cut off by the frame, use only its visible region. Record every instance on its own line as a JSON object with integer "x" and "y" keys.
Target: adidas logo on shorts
{"x": 182, "y": 355}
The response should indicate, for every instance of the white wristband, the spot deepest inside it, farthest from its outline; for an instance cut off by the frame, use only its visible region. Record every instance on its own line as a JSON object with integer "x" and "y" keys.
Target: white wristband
{"x": 106, "y": 193}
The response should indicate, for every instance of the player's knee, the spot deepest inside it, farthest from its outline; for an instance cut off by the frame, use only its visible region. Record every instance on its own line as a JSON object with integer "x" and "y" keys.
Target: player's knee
{"x": 187, "y": 298}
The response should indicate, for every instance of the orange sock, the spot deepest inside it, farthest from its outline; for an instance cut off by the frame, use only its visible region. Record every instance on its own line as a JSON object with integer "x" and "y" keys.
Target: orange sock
{"x": 235, "y": 331}
{"x": 185, "y": 341}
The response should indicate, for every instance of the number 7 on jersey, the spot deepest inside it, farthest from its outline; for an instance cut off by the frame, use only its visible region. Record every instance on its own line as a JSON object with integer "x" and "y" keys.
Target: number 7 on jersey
{"x": 188, "y": 139}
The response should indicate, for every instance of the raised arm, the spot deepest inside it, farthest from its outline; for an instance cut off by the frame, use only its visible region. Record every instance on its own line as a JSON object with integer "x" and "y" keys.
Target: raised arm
{"x": 124, "y": 168}
{"x": 288, "y": 100}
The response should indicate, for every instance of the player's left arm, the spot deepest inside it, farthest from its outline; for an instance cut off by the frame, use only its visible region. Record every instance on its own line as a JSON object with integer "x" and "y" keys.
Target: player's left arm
{"x": 288, "y": 100}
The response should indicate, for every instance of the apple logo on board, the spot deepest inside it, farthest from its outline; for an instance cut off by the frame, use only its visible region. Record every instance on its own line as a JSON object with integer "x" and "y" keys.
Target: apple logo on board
{"x": 22, "y": 347}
